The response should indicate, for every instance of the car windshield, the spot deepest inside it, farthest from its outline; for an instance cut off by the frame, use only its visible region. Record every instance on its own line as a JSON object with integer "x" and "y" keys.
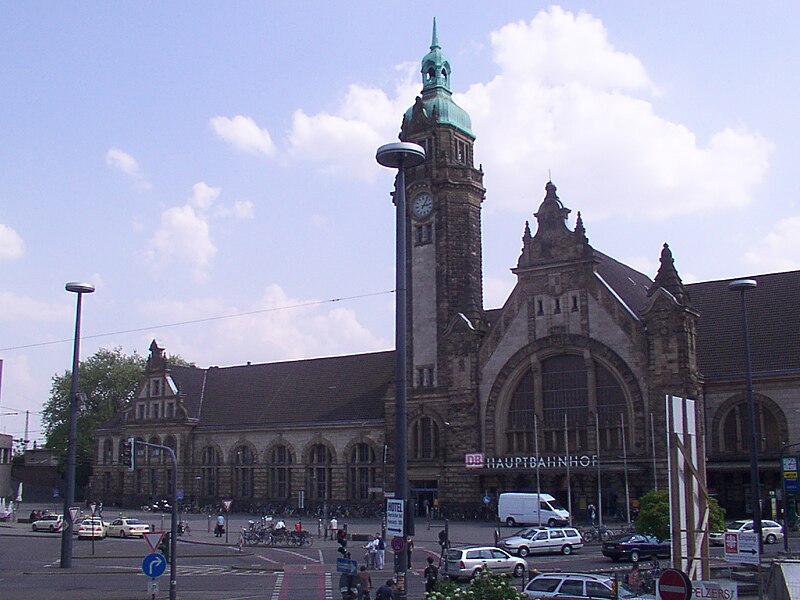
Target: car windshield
{"x": 454, "y": 555}
{"x": 556, "y": 505}
{"x": 738, "y": 524}
{"x": 133, "y": 521}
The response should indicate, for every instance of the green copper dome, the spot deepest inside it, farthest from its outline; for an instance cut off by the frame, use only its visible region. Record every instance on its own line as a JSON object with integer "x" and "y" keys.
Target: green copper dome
{"x": 436, "y": 95}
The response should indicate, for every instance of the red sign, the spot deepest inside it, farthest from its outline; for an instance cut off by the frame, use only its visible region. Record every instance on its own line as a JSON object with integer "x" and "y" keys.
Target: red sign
{"x": 474, "y": 460}
{"x": 674, "y": 585}
{"x": 398, "y": 543}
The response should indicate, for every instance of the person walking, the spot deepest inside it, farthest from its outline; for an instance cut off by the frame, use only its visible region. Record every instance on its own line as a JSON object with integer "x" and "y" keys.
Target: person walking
{"x": 365, "y": 584}
{"x": 380, "y": 552}
{"x": 592, "y": 512}
{"x": 219, "y": 530}
{"x": 430, "y": 575}
{"x": 333, "y": 526}
{"x": 409, "y": 549}
{"x": 635, "y": 579}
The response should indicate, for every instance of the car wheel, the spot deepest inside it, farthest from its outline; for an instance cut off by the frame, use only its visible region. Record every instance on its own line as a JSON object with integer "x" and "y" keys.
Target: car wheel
{"x": 552, "y": 523}
{"x": 519, "y": 570}
{"x": 566, "y": 549}
{"x": 35, "y": 528}
{"x": 510, "y": 522}
{"x": 476, "y": 572}
{"x": 52, "y": 529}
{"x": 771, "y": 539}
{"x": 523, "y": 551}
{"x": 635, "y": 556}
{"x": 122, "y": 533}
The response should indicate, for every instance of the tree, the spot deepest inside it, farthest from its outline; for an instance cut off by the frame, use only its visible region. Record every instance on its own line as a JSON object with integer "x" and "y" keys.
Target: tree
{"x": 654, "y": 515}
{"x": 107, "y": 382}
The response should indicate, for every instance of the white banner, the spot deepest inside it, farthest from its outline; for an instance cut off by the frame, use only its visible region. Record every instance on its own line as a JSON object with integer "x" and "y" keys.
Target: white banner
{"x": 394, "y": 517}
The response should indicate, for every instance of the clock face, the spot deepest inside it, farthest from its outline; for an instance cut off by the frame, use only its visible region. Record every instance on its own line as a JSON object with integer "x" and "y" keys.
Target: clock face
{"x": 422, "y": 205}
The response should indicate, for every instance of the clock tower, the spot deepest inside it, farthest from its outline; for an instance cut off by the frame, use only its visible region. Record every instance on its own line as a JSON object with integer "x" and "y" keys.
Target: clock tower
{"x": 444, "y": 230}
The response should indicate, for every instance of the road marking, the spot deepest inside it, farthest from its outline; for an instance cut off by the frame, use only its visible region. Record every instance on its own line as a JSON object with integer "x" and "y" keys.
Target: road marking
{"x": 293, "y": 553}
{"x": 321, "y": 560}
{"x": 328, "y": 586}
{"x": 276, "y": 591}
{"x": 267, "y": 559}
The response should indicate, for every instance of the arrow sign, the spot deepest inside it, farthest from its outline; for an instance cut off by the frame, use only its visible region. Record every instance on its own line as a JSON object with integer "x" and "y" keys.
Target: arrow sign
{"x": 154, "y": 564}
{"x": 153, "y": 539}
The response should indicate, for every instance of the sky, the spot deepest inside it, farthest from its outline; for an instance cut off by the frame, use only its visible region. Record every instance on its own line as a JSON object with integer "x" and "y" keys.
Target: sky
{"x": 210, "y": 166}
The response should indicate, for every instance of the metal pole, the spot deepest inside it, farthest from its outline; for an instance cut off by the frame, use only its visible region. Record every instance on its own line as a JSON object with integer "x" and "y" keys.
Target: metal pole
{"x": 625, "y": 462}
{"x": 173, "y": 541}
{"x": 72, "y": 432}
{"x": 653, "y": 444}
{"x": 569, "y": 484}
{"x": 599, "y": 481}
{"x": 401, "y": 155}
{"x": 538, "y": 481}
{"x": 742, "y": 285}
{"x": 785, "y": 497}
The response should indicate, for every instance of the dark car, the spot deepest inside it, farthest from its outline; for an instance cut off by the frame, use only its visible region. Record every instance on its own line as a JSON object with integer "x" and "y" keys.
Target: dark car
{"x": 635, "y": 546}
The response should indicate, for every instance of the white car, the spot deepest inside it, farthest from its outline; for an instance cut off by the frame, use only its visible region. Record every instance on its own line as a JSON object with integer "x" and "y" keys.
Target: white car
{"x": 771, "y": 531}
{"x": 127, "y": 528}
{"x": 92, "y": 528}
{"x": 51, "y": 523}
{"x": 535, "y": 540}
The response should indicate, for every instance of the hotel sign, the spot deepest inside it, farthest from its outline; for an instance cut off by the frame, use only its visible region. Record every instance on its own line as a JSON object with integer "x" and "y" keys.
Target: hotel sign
{"x": 477, "y": 460}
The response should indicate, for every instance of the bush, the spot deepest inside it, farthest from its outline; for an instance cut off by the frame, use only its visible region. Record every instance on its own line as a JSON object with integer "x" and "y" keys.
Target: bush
{"x": 484, "y": 587}
{"x": 654, "y": 515}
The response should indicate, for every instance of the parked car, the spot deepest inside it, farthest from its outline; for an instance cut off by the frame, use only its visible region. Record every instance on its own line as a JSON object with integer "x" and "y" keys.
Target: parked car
{"x": 576, "y": 586}
{"x": 466, "y": 563}
{"x": 771, "y": 531}
{"x": 534, "y": 540}
{"x": 92, "y": 528}
{"x": 127, "y": 528}
{"x": 51, "y": 523}
{"x": 634, "y": 546}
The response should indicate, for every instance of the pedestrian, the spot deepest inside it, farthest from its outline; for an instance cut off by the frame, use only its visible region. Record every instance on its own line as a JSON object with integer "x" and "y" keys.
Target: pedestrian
{"x": 592, "y": 512}
{"x": 370, "y": 555}
{"x": 298, "y": 527}
{"x": 409, "y": 548}
{"x": 334, "y": 527}
{"x": 386, "y": 591}
{"x": 365, "y": 584}
{"x": 219, "y": 530}
{"x": 380, "y": 552}
{"x": 346, "y": 585}
{"x": 430, "y": 575}
{"x": 635, "y": 579}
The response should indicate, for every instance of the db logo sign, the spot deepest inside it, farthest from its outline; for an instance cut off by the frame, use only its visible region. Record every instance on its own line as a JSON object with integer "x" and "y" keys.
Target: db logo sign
{"x": 474, "y": 460}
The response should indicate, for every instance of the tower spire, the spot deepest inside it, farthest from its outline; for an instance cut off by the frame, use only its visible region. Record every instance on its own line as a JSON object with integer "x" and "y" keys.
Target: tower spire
{"x": 435, "y": 37}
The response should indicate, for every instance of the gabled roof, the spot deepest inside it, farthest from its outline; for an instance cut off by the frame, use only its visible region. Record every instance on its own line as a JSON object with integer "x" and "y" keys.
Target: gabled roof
{"x": 341, "y": 388}
{"x": 629, "y": 284}
{"x": 773, "y": 314}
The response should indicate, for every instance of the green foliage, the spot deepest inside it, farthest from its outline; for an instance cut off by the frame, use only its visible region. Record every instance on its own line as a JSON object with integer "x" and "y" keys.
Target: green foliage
{"x": 654, "y": 515}
{"x": 108, "y": 379}
{"x": 485, "y": 586}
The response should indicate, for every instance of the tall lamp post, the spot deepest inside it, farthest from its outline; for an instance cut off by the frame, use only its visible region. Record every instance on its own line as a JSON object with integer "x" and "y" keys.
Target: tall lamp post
{"x": 741, "y": 286}
{"x": 400, "y": 156}
{"x": 69, "y": 495}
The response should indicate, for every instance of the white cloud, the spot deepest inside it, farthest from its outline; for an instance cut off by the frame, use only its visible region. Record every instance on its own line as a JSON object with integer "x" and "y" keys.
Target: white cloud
{"x": 276, "y": 327}
{"x": 244, "y": 134}
{"x": 19, "y": 308}
{"x": 243, "y": 209}
{"x": 345, "y": 142}
{"x": 11, "y": 244}
{"x": 184, "y": 234}
{"x": 125, "y": 163}
{"x": 564, "y": 100}
{"x": 779, "y": 250}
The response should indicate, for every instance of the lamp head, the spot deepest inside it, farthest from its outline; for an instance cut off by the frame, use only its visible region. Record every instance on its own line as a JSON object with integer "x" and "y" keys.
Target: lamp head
{"x": 79, "y": 288}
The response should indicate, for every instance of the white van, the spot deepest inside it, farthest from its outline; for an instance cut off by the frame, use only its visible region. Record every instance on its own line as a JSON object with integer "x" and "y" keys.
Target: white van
{"x": 517, "y": 508}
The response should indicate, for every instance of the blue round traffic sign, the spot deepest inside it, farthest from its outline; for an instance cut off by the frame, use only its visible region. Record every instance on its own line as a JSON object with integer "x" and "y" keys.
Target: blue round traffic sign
{"x": 154, "y": 564}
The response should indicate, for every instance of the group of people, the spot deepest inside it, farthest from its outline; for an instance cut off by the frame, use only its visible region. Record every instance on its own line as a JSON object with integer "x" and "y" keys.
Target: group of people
{"x": 375, "y": 555}
{"x": 359, "y": 587}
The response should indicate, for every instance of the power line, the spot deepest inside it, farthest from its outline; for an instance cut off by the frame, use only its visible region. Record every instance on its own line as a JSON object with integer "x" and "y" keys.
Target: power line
{"x": 195, "y": 321}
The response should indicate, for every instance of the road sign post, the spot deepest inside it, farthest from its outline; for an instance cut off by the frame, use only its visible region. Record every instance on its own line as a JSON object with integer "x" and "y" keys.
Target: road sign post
{"x": 154, "y": 564}
{"x": 742, "y": 547}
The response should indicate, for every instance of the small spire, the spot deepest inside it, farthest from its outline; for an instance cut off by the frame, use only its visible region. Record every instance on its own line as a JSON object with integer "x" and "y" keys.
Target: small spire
{"x": 435, "y": 37}
{"x": 668, "y": 278}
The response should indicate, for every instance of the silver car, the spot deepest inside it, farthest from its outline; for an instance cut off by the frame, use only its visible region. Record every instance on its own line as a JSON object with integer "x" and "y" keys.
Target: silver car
{"x": 577, "y": 586}
{"x": 466, "y": 563}
{"x": 535, "y": 540}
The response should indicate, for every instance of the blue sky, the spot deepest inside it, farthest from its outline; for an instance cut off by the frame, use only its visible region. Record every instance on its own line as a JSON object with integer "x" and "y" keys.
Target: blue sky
{"x": 203, "y": 160}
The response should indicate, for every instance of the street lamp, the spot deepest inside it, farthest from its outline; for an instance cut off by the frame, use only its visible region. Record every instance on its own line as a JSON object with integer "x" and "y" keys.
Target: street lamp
{"x": 741, "y": 286}
{"x": 400, "y": 156}
{"x": 69, "y": 495}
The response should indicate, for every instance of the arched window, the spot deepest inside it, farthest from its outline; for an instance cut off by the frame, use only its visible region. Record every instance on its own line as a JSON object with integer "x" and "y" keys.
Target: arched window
{"x": 280, "y": 472}
{"x": 565, "y": 407}
{"x": 362, "y": 471}
{"x": 243, "y": 472}
{"x": 210, "y": 460}
{"x": 170, "y": 442}
{"x": 736, "y": 429}
{"x": 108, "y": 451}
{"x": 319, "y": 472}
